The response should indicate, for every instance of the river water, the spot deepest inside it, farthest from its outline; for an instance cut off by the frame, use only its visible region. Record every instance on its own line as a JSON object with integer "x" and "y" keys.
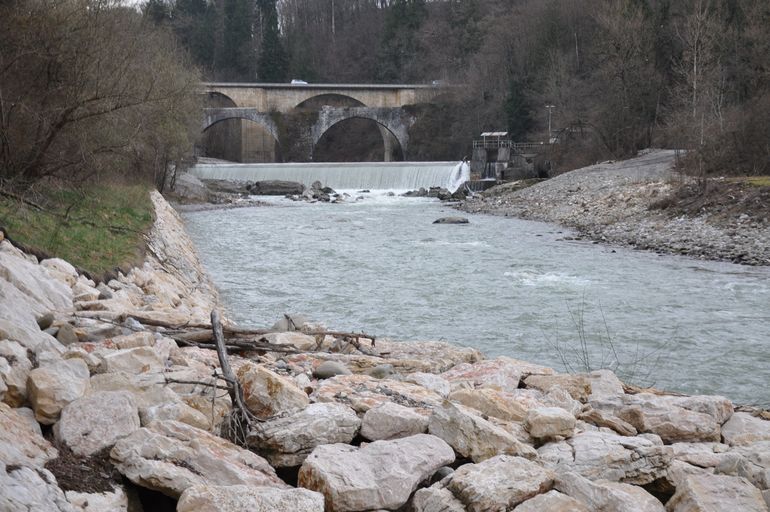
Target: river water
{"x": 505, "y": 286}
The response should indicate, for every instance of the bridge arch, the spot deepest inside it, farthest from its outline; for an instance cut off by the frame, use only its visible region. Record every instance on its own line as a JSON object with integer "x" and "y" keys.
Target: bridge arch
{"x": 216, "y": 99}
{"x": 231, "y": 134}
{"x": 319, "y": 101}
{"x": 394, "y": 123}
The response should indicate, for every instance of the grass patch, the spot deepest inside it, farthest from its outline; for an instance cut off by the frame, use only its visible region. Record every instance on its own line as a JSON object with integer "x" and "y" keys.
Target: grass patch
{"x": 758, "y": 181}
{"x": 97, "y": 229}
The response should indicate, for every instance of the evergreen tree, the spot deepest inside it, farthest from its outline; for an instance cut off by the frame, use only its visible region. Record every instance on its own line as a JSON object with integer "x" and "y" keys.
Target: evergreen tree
{"x": 517, "y": 112}
{"x": 158, "y": 11}
{"x": 399, "y": 45}
{"x": 273, "y": 64}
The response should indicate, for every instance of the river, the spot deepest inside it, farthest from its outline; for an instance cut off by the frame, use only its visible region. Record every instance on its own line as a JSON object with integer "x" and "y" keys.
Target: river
{"x": 505, "y": 286}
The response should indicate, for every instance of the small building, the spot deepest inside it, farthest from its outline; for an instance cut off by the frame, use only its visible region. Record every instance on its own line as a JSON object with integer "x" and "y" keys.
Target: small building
{"x": 497, "y": 158}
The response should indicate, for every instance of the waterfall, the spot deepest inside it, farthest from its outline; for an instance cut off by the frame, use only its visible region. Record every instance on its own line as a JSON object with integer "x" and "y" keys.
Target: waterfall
{"x": 344, "y": 175}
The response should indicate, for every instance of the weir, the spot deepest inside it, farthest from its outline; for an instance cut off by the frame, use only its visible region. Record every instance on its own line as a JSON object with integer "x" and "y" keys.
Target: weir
{"x": 344, "y": 175}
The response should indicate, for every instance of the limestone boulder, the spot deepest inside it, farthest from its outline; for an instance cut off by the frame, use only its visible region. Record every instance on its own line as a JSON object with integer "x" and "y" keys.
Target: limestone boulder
{"x": 175, "y": 410}
{"x": 61, "y": 270}
{"x": 549, "y": 423}
{"x": 52, "y": 387}
{"x": 499, "y": 483}
{"x": 436, "y": 498}
{"x": 84, "y": 293}
{"x": 115, "y": 501}
{"x": 379, "y": 475}
{"x": 606, "y": 419}
{"x": 474, "y": 437}
{"x": 424, "y": 356}
{"x": 97, "y": 421}
{"x": 362, "y": 392}
{"x": 20, "y": 443}
{"x": 267, "y": 394}
{"x": 391, "y": 421}
{"x": 605, "y": 387}
{"x": 328, "y": 369}
{"x": 14, "y": 370}
{"x": 742, "y": 429}
{"x": 552, "y": 501}
{"x": 703, "y": 455}
{"x": 716, "y": 493}
{"x": 577, "y": 385}
{"x": 287, "y": 441}
{"x": 672, "y": 423}
{"x": 216, "y": 498}
{"x": 750, "y": 461}
{"x": 142, "y": 359}
{"x": 169, "y": 457}
{"x": 294, "y": 339}
{"x": 501, "y": 373}
{"x": 430, "y": 381}
{"x": 26, "y": 489}
{"x": 608, "y": 456}
{"x": 491, "y": 402}
{"x": 603, "y": 495}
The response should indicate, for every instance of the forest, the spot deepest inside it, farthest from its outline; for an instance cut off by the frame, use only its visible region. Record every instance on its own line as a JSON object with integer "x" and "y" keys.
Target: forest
{"x": 618, "y": 75}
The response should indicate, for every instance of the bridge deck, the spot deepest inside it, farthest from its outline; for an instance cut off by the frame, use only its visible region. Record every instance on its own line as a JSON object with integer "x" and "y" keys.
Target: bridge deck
{"x": 320, "y": 86}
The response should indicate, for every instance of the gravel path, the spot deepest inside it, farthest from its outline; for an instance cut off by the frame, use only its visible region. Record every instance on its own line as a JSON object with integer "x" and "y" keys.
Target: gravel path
{"x": 610, "y": 202}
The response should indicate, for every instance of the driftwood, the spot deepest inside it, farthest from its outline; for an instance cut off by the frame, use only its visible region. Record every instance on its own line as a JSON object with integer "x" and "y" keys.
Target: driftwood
{"x": 241, "y": 419}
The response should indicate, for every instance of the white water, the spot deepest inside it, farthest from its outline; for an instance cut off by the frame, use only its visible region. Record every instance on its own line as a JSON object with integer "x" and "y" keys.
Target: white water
{"x": 344, "y": 176}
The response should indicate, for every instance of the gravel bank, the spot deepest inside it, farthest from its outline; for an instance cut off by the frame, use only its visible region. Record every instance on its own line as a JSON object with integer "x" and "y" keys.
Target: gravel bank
{"x": 610, "y": 202}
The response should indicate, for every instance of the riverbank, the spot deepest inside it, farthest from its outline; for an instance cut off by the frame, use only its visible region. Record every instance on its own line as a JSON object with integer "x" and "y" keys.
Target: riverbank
{"x": 633, "y": 203}
{"x": 107, "y": 406}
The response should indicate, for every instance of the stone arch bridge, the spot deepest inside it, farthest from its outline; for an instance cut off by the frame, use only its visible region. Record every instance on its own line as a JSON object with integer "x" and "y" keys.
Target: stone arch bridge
{"x": 298, "y": 115}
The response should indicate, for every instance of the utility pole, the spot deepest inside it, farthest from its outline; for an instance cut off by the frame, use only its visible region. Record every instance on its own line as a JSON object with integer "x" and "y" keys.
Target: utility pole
{"x": 549, "y": 107}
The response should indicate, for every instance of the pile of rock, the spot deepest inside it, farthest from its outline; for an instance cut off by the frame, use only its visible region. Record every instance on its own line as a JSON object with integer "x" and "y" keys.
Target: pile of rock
{"x": 318, "y": 192}
{"x": 420, "y": 427}
{"x": 439, "y": 193}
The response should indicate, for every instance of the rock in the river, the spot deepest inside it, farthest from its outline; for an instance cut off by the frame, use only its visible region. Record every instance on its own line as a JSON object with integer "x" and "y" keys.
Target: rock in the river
{"x": 169, "y": 457}
{"x": 96, "y": 421}
{"x": 552, "y": 501}
{"x": 233, "y": 498}
{"x": 499, "y": 483}
{"x": 603, "y": 455}
{"x": 19, "y": 443}
{"x": 329, "y": 369}
{"x": 601, "y": 495}
{"x": 52, "y": 387}
{"x": 716, "y": 493}
{"x": 549, "y": 423}
{"x": 391, "y": 421}
{"x": 474, "y": 437}
{"x": 266, "y": 393}
{"x": 379, "y": 475}
{"x": 287, "y": 441}
{"x": 451, "y": 220}
{"x": 743, "y": 429}
{"x": 276, "y": 188}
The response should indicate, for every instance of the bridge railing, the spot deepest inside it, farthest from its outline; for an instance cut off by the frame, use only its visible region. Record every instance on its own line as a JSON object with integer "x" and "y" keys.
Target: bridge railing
{"x": 517, "y": 147}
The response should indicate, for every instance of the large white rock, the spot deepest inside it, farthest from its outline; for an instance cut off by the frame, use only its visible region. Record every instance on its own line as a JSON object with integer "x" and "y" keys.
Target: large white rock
{"x": 474, "y": 437}
{"x": 175, "y": 410}
{"x": 430, "y": 381}
{"x": 552, "y": 501}
{"x": 604, "y": 455}
{"x": 140, "y": 359}
{"x": 577, "y": 385}
{"x": 604, "y": 496}
{"x": 96, "y": 421}
{"x": 14, "y": 370}
{"x": 25, "y": 489}
{"x": 501, "y": 373}
{"x": 499, "y": 483}
{"x": 716, "y": 493}
{"x": 295, "y": 339}
{"x": 61, "y": 270}
{"x": 267, "y": 394}
{"x": 363, "y": 392}
{"x": 52, "y": 387}
{"x": 287, "y": 441}
{"x": 549, "y": 423}
{"x": 491, "y": 402}
{"x": 743, "y": 429}
{"x": 391, "y": 421}
{"x": 170, "y": 456}
{"x": 673, "y": 423}
{"x": 382, "y": 474}
{"x": 234, "y": 498}
{"x": 20, "y": 443}
{"x": 436, "y": 498}
{"x": 751, "y": 461}
{"x": 115, "y": 501}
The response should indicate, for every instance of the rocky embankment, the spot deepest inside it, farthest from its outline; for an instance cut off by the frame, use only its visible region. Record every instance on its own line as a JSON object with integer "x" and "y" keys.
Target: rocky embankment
{"x": 611, "y": 202}
{"x": 102, "y": 410}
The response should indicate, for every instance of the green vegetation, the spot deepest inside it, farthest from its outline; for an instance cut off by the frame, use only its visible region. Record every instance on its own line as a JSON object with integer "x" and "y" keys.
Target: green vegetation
{"x": 96, "y": 229}
{"x": 758, "y": 181}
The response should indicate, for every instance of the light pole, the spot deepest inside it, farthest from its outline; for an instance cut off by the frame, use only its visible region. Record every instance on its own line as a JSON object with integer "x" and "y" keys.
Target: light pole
{"x": 549, "y": 107}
